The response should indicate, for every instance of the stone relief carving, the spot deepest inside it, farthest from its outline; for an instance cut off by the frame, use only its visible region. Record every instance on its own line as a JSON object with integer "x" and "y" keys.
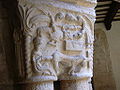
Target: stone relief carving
{"x": 58, "y": 43}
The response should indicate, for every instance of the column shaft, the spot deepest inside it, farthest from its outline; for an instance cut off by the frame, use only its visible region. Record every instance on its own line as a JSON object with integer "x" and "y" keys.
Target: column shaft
{"x": 75, "y": 85}
{"x": 39, "y": 86}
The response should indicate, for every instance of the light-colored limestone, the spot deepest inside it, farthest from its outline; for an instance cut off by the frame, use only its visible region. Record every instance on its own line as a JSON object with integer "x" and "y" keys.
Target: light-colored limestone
{"x": 58, "y": 36}
{"x": 75, "y": 85}
{"x": 39, "y": 86}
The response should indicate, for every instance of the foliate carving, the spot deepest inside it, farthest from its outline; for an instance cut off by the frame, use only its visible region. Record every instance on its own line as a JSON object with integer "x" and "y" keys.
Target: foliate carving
{"x": 58, "y": 43}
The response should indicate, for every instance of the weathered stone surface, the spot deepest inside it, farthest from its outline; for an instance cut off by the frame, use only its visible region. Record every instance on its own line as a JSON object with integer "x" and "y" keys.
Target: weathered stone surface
{"x": 57, "y": 37}
{"x": 103, "y": 75}
{"x": 38, "y": 86}
{"x": 75, "y": 85}
{"x": 55, "y": 42}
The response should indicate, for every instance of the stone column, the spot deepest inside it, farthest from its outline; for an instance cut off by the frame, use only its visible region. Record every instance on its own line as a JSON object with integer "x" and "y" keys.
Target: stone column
{"x": 39, "y": 86}
{"x": 75, "y": 85}
{"x": 56, "y": 43}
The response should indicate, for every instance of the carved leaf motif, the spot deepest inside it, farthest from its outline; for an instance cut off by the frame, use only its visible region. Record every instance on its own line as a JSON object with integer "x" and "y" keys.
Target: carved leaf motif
{"x": 46, "y": 34}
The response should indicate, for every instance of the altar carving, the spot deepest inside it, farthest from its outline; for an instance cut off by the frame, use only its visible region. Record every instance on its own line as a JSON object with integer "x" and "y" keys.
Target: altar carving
{"x": 58, "y": 41}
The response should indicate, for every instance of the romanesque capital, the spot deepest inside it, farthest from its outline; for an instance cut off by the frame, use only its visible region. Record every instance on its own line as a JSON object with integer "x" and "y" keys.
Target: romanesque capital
{"x": 58, "y": 39}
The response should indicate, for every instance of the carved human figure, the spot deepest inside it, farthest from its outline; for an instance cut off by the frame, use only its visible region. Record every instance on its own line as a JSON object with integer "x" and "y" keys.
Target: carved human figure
{"x": 48, "y": 42}
{"x": 58, "y": 39}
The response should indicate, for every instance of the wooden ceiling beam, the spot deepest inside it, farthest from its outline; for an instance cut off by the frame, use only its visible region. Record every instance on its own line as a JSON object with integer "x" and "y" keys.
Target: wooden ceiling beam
{"x": 101, "y": 14}
{"x": 102, "y": 10}
{"x": 104, "y": 5}
{"x": 114, "y": 7}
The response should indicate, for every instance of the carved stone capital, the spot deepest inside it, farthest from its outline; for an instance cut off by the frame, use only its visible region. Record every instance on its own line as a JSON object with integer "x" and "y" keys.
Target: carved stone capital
{"x": 58, "y": 39}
